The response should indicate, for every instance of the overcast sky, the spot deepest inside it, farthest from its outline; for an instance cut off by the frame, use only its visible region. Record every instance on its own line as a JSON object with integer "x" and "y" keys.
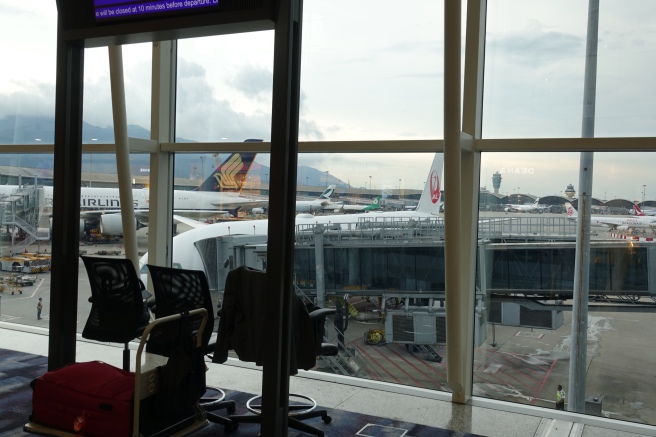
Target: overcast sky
{"x": 373, "y": 70}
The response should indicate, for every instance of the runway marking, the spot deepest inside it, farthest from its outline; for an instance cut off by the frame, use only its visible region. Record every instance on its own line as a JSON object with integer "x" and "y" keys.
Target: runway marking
{"x": 492, "y": 368}
{"x": 417, "y": 368}
{"x": 544, "y": 380}
{"x": 528, "y": 334}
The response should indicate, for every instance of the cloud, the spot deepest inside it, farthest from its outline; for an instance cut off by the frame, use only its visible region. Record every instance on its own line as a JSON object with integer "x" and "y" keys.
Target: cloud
{"x": 35, "y": 98}
{"x": 254, "y": 82}
{"x": 545, "y": 47}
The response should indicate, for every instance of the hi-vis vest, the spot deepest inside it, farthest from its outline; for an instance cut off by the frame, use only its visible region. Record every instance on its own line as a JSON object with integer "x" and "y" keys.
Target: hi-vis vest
{"x": 560, "y": 395}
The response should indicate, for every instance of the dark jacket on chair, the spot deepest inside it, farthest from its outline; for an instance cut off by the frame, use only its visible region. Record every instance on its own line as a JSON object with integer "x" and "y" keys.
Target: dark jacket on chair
{"x": 242, "y": 323}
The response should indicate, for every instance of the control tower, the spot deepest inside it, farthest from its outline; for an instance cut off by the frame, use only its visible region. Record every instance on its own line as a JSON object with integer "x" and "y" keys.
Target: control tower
{"x": 496, "y": 182}
{"x": 570, "y": 192}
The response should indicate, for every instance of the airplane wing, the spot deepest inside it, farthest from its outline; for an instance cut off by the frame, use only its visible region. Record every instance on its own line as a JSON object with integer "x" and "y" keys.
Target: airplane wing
{"x": 189, "y": 222}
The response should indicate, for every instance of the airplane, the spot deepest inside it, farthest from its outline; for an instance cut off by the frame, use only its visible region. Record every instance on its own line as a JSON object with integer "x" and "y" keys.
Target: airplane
{"x": 620, "y": 223}
{"x": 320, "y": 203}
{"x": 317, "y": 204}
{"x": 218, "y": 195}
{"x": 643, "y": 212}
{"x": 186, "y": 254}
{"x": 373, "y": 206}
{"x": 532, "y": 207}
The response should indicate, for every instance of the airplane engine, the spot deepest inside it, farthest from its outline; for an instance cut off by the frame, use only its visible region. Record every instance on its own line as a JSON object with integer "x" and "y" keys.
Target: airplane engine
{"x": 257, "y": 210}
{"x": 622, "y": 228}
{"x": 111, "y": 224}
{"x": 83, "y": 227}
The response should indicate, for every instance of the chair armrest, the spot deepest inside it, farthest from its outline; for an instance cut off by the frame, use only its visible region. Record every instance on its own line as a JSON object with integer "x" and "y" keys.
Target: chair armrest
{"x": 328, "y": 349}
{"x": 321, "y": 313}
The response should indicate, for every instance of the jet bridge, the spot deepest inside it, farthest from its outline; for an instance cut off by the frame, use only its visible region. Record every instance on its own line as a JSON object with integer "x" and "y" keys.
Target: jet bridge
{"x": 20, "y": 215}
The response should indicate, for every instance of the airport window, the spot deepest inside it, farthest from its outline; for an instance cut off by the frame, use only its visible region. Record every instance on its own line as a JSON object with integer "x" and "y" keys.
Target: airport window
{"x": 530, "y": 276}
{"x": 371, "y": 102}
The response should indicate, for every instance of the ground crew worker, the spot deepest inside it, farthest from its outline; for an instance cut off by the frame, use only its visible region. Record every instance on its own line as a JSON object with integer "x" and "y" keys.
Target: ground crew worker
{"x": 39, "y": 307}
{"x": 560, "y": 398}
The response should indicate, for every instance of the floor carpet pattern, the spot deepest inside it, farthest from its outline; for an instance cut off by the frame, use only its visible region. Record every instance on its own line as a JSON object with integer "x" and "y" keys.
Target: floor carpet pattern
{"x": 18, "y": 369}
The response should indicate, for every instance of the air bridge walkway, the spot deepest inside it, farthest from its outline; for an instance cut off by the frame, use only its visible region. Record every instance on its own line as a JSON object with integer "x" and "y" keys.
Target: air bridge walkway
{"x": 20, "y": 214}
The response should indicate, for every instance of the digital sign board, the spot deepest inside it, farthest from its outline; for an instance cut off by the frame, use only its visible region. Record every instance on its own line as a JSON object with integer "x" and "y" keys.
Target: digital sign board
{"x": 97, "y": 23}
{"x": 113, "y": 9}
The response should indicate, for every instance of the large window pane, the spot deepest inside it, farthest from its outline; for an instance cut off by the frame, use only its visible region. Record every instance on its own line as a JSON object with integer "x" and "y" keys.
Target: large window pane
{"x": 528, "y": 277}
{"x": 382, "y": 271}
{"x": 224, "y": 88}
{"x": 27, "y": 76}
{"x": 534, "y": 69}
{"x": 98, "y": 116}
{"x": 26, "y": 202}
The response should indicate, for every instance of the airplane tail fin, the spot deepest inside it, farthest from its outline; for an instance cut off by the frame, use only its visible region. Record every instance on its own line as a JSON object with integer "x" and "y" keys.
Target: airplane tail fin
{"x": 638, "y": 211}
{"x": 327, "y": 194}
{"x": 230, "y": 175}
{"x": 571, "y": 211}
{"x": 431, "y": 198}
{"x": 373, "y": 205}
{"x": 234, "y": 212}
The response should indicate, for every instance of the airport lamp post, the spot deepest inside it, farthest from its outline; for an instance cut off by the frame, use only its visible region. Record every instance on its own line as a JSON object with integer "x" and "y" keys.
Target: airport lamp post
{"x": 370, "y": 183}
{"x": 643, "y": 195}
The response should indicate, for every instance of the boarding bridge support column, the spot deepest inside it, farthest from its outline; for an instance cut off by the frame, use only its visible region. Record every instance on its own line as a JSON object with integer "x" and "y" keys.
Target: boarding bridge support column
{"x": 319, "y": 265}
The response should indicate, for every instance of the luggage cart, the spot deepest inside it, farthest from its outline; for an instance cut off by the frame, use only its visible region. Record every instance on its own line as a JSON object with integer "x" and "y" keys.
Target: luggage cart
{"x": 146, "y": 384}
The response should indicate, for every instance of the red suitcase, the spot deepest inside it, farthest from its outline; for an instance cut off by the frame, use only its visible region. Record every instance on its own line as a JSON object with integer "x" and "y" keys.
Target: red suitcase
{"x": 91, "y": 399}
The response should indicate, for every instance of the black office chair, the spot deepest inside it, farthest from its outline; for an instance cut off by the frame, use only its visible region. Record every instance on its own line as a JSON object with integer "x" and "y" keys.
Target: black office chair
{"x": 118, "y": 309}
{"x": 243, "y": 311}
{"x": 177, "y": 291}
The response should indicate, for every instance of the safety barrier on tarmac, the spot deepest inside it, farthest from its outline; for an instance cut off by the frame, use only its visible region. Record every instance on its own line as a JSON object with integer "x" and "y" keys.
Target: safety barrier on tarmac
{"x": 633, "y": 237}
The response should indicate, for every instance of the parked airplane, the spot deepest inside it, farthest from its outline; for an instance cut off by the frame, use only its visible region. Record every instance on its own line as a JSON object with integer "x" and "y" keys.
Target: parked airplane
{"x": 643, "y": 212}
{"x": 218, "y": 195}
{"x": 317, "y": 204}
{"x": 373, "y": 206}
{"x": 620, "y": 223}
{"x": 186, "y": 254}
{"x": 531, "y": 207}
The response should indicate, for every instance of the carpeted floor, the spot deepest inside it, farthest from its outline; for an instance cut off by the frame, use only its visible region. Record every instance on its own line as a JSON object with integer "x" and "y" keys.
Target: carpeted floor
{"x": 17, "y": 370}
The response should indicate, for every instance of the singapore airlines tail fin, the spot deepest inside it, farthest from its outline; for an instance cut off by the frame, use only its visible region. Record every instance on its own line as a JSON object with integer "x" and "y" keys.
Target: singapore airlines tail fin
{"x": 431, "y": 198}
{"x": 230, "y": 175}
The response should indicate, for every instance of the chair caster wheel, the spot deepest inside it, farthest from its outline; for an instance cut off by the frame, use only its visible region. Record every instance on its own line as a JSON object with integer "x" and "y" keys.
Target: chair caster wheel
{"x": 327, "y": 419}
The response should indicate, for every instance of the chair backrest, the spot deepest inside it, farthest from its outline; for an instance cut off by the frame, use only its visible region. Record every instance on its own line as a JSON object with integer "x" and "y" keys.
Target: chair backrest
{"x": 181, "y": 290}
{"x": 118, "y": 310}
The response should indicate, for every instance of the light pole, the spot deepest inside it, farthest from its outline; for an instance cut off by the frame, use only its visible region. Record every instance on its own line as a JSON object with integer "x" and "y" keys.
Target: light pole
{"x": 370, "y": 183}
{"x": 326, "y": 178}
{"x": 400, "y": 188}
{"x": 643, "y": 195}
{"x": 306, "y": 181}
{"x": 202, "y": 166}
{"x": 91, "y": 161}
